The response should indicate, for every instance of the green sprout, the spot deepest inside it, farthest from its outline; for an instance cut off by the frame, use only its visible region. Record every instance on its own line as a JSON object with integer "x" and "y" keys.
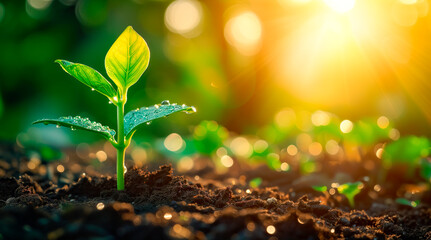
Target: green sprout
{"x": 407, "y": 202}
{"x": 125, "y": 62}
{"x": 350, "y": 190}
{"x": 255, "y": 182}
{"x": 323, "y": 189}
{"x": 408, "y": 151}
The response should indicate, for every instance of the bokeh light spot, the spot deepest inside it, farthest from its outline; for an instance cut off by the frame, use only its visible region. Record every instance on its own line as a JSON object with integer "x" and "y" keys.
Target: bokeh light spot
{"x": 100, "y": 206}
{"x": 185, "y": 164}
{"x": 260, "y": 146}
{"x": 270, "y": 229}
{"x": 174, "y": 142}
{"x": 39, "y": 4}
{"x": 320, "y": 118}
{"x": 332, "y": 147}
{"x": 315, "y": 149}
{"x": 183, "y": 17}
{"x": 292, "y": 150}
{"x": 383, "y": 122}
{"x": 285, "y": 118}
{"x": 241, "y": 147}
{"x": 226, "y": 161}
{"x": 394, "y": 134}
{"x": 60, "y": 168}
{"x": 101, "y": 156}
{"x": 346, "y": 126}
{"x": 244, "y": 32}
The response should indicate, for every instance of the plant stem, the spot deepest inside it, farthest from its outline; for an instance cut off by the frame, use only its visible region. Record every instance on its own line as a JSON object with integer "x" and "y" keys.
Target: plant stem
{"x": 121, "y": 147}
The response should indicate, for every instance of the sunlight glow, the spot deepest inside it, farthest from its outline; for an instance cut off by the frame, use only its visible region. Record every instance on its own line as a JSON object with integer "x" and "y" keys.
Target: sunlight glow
{"x": 341, "y": 6}
{"x": 183, "y": 17}
{"x": 244, "y": 32}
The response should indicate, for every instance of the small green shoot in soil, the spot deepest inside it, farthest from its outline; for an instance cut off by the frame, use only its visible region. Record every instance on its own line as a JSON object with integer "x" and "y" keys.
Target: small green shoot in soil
{"x": 320, "y": 188}
{"x": 255, "y": 182}
{"x": 407, "y": 202}
{"x": 125, "y": 62}
{"x": 323, "y": 189}
{"x": 350, "y": 190}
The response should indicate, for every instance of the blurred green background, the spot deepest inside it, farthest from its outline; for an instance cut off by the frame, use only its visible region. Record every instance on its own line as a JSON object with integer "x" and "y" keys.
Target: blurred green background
{"x": 231, "y": 68}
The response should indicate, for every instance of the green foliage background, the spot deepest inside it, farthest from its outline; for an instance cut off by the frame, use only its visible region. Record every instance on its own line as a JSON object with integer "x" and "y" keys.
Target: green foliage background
{"x": 32, "y": 86}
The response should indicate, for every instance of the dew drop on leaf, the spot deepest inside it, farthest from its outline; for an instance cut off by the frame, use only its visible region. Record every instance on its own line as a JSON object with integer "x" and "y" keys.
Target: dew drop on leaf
{"x": 92, "y": 89}
{"x": 110, "y": 102}
{"x": 165, "y": 102}
{"x": 148, "y": 123}
{"x": 58, "y": 126}
{"x": 190, "y": 110}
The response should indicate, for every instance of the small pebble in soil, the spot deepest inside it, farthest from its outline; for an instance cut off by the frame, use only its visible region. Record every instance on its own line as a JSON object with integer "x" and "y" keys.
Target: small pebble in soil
{"x": 271, "y": 201}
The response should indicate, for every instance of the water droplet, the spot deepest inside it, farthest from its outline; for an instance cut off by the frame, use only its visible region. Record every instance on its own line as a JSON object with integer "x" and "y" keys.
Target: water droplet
{"x": 165, "y": 102}
{"x": 148, "y": 123}
{"x": 72, "y": 128}
{"x": 110, "y": 102}
{"x": 183, "y": 105}
{"x": 115, "y": 98}
{"x": 58, "y": 126}
{"x": 156, "y": 106}
{"x": 92, "y": 89}
{"x": 190, "y": 110}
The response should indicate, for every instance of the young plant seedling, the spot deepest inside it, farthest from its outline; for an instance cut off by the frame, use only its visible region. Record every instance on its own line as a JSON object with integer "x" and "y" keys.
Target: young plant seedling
{"x": 407, "y": 151}
{"x": 350, "y": 190}
{"x": 406, "y": 202}
{"x": 323, "y": 189}
{"x": 125, "y": 62}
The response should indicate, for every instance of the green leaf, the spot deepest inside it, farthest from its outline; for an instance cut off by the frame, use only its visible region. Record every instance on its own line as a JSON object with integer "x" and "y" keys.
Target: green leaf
{"x": 255, "y": 182}
{"x": 350, "y": 190}
{"x": 89, "y": 77}
{"x": 408, "y": 149}
{"x": 320, "y": 188}
{"x": 136, "y": 118}
{"x": 80, "y": 123}
{"x": 127, "y": 59}
{"x": 407, "y": 202}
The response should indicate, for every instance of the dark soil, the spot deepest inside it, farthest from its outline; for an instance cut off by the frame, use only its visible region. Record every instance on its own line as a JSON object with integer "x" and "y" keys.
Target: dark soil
{"x": 162, "y": 205}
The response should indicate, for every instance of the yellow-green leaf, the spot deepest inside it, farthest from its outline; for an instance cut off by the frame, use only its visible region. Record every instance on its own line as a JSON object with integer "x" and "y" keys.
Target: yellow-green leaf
{"x": 89, "y": 77}
{"x": 127, "y": 59}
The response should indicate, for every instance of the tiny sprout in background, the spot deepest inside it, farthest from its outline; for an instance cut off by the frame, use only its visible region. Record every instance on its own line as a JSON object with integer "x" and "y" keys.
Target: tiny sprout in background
{"x": 320, "y": 188}
{"x": 350, "y": 190}
{"x": 125, "y": 62}
{"x": 407, "y": 151}
{"x": 407, "y": 202}
{"x": 255, "y": 182}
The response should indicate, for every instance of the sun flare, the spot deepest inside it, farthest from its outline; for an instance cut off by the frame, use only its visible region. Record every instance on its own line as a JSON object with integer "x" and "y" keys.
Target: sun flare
{"x": 341, "y": 6}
